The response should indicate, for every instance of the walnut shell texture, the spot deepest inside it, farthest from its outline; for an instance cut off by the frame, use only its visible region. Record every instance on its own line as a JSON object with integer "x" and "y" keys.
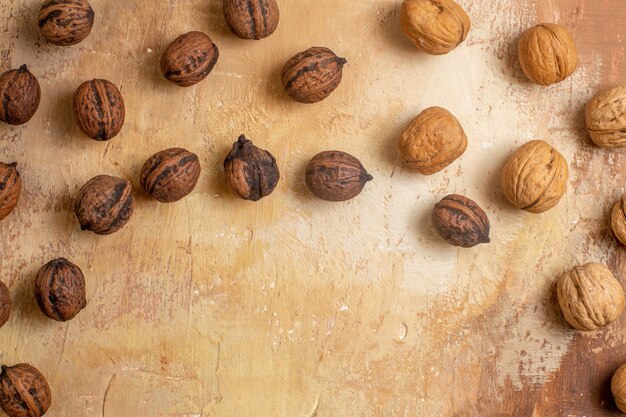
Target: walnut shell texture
{"x": 10, "y": 188}
{"x": 60, "y": 290}
{"x": 24, "y": 391}
{"x": 105, "y": 204}
{"x": 189, "y": 59}
{"x": 461, "y": 222}
{"x": 336, "y": 176}
{"x": 99, "y": 109}
{"x": 65, "y": 22}
{"x": 432, "y": 141}
{"x": 434, "y": 26}
{"x": 535, "y": 177}
{"x": 20, "y": 94}
{"x": 590, "y": 297}
{"x": 618, "y": 388}
{"x": 547, "y": 53}
{"x": 312, "y": 75}
{"x": 251, "y": 19}
{"x": 170, "y": 175}
{"x": 5, "y": 304}
{"x": 251, "y": 172}
{"x": 618, "y": 220}
{"x": 606, "y": 118}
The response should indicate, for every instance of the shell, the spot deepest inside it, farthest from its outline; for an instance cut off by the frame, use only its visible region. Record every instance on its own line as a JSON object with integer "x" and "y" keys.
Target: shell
{"x": 460, "y": 221}
{"x": 251, "y": 19}
{"x": 5, "y": 304}
{"x": 535, "y": 177}
{"x": 606, "y": 118}
{"x": 24, "y": 391}
{"x": 65, "y": 22}
{"x": 189, "y": 59}
{"x": 105, "y": 204}
{"x": 312, "y": 75}
{"x": 590, "y": 297}
{"x": 20, "y": 94}
{"x": 60, "y": 290}
{"x": 547, "y": 54}
{"x": 434, "y": 26}
{"x": 251, "y": 172}
{"x": 432, "y": 141}
{"x": 170, "y": 175}
{"x": 618, "y": 387}
{"x": 336, "y": 176}
{"x": 99, "y": 109}
{"x": 10, "y": 188}
{"x": 618, "y": 220}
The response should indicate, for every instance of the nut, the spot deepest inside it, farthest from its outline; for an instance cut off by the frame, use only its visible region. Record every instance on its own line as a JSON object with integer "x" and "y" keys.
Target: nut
{"x": 5, "y": 304}
{"x": 432, "y": 141}
{"x": 20, "y": 94}
{"x": 170, "y": 175}
{"x": 60, "y": 290}
{"x": 618, "y": 220}
{"x": 99, "y": 109}
{"x": 535, "y": 177}
{"x": 606, "y": 118}
{"x": 590, "y": 297}
{"x": 618, "y": 388}
{"x": 251, "y": 19}
{"x": 24, "y": 391}
{"x": 65, "y": 22}
{"x": 105, "y": 204}
{"x": 251, "y": 172}
{"x": 434, "y": 26}
{"x": 336, "y": 176}
{"x": 10, "y": 188}
{"x": 547, "y": 54}
{"x": 189, "y": 59}
{"x": 461, "y": 222}
{"x": 310, "y": 76}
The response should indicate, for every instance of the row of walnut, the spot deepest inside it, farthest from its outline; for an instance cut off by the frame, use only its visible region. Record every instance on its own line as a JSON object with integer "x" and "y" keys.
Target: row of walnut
{"x": 534, "y": 178}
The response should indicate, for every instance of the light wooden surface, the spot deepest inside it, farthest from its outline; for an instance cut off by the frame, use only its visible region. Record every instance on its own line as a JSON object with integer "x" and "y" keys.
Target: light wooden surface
{"x": 295, "y": 307}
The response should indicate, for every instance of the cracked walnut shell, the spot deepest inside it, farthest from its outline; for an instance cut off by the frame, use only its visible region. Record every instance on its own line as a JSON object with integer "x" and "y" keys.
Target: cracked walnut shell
{"x": 606, "y": 118}
{"x": 590, "y": 297}
{"x": 24, "y": 391}
{"x": 618, "y": 388}
{"x": 618, "y": 220}
{"x": 60, "y": 290}
{"x": 535, "y": 177}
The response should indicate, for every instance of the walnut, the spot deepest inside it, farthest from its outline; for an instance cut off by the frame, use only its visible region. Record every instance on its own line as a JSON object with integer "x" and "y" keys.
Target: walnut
{"x": 99, "y": 109}
{"x": 432, "y": 141}
{"x": 20, "y": 94}
{"x": 336, "y": 176}
{"x": 606, "y": 118}
{"x": 590, "y": 297}
{"x": 547, "y": 54}
{"x": 535, "y": 177}
{"x": 251, "y": 19}
{"x": 434, "y": 26}
{"x": 24, "y": 391}
{"x": 170, "y": 175}
{"x": 189, "y": 59}
{"x": 65, "y": 22}
{"x": 60, "y": 290}
{"x": 618, "y": 220}
{"x": 5, "y": 304}
{"x": 105, "y": 204}
{"x": 618, "y": 388}
{"x": 10, "y": 188}
{"x": 461, "y": 222}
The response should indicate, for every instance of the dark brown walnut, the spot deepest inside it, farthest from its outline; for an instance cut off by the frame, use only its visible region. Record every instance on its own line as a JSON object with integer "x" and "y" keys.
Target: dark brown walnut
{"x": 65, "y": 22}
{"x": 189, "y": 59}
{"x": 105, "y": 204}
{"x": 461, "y": 222}
{"x": 312, "y": 75}
{"x": 251, "y": 172}
{"x": 99, "y": 109}
{"x": 60, "y": 290}
{"x": 170, "y": 175}
{"x": 251, "y": 19}
{"x": 10, "y": 188}
{"x": 24, "y": 391}
{"x": 5, "y": 304}
{"x": 20, "y": 94}
{"x": 336, "y": 176}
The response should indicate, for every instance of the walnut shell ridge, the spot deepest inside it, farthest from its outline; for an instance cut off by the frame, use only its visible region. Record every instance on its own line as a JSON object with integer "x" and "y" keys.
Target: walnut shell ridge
{"x": 5, "y": 304}
{"x": 618, "y": 220}
{"x": 20, "y": 94}
{"x": 60, "y": 290}
{"x": 65, "y": 22}
{"x": 336, "y": 176}
{"x": 170, "y": 175}
{"x": 590, "y": 296}
{"x": 605, "y": 116}
{"x": 460, "y": 221}
{"x": 24, "y": 391}
{"x": 434, "y": 26}
{"x": 618, "y": 388}
{"x": 99, "y": 109}
{"x": 534, "y": 178}
{"x": 189, "y": 59}
{"x": 105, "y": 204}
{"x": 251, "y": 19}
{"x": 432, "y": 141}
{"x": 10, "y": 188}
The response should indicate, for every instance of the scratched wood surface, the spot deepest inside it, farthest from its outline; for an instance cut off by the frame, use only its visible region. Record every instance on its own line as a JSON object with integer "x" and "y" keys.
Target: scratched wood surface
{"x": 294, "y": 307}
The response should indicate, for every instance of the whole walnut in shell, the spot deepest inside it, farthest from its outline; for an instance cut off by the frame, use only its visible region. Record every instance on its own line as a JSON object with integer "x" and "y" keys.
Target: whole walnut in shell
{"x": 251, "y": 19}
{"x": 460, "y": 221}
{"x": 535, "y": 177}
{"x": 432, "y": 141}
{"x": 99, "y": 109}
{"x": 189, "y": 59}
{"x": 20, "y": 94}
{"x": 336, "y": 176}
{"x": 618, "y": 220}
{"x": 590, "y": 297}
{"x": 618, "y": 388}
{"x": 24, "y": 391}
{"x": 60, "y": 290}
{"x": 606, "y": 118}
{"x": 10, "y": 188}
{"x": 105, "y": 204}
{"x": 65, "y": 22}
{"x": 170, "y": 175}
{"x": 5, "y": 304}
{"x": 547, "y": 54}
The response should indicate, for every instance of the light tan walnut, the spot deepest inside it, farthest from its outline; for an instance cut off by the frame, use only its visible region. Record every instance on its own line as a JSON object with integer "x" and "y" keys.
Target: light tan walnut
{"x": 434, "y": 26}
{"x": 618, "y": 220}
{"x": 618, "y": 388}
{"x": 590, "y": 297}
{"x": 547, "y": 53}
{"x": 606, "y": 118}
{"x": 535, "y": 177}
